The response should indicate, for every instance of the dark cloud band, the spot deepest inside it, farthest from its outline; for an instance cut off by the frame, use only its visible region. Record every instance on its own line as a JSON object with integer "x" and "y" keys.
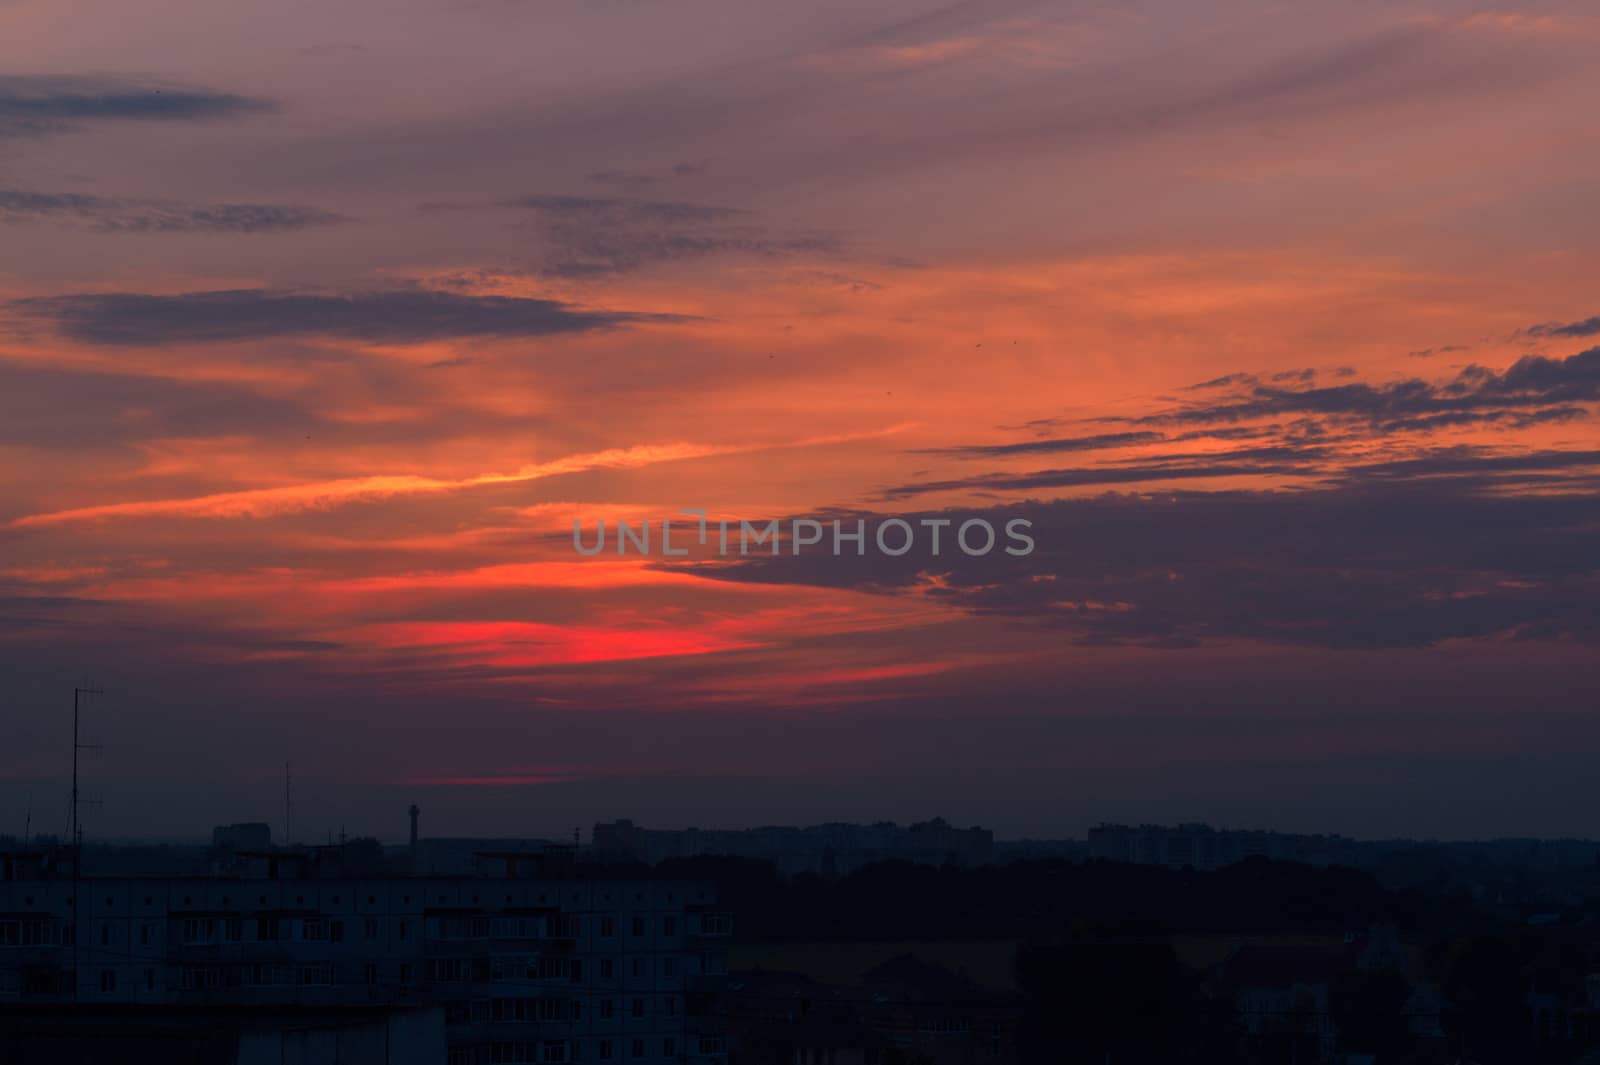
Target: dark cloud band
{"x": 401, "y": 316}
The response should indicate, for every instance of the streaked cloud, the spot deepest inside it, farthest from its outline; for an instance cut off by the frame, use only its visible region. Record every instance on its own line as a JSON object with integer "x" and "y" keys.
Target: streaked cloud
{"x": 398, "y": 316}
{"x": 1096, "y": 442}
{"x": 113, "y": 215}
{"x": 1533, "y": 387}
{"x": 261, "y": 502}
{"x": 1587, "y": 327}
{"x": 592, "y": 236}
{"x": 38, "y": 104}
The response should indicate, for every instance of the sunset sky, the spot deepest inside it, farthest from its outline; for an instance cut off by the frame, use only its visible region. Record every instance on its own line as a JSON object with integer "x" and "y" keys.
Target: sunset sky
{"x": 320, "y": 324}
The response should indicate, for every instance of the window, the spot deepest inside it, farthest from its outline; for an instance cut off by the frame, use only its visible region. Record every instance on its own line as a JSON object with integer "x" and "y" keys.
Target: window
{"x": 319, "y": 974}
{"x": 514, "y": 1010}
{"x": 638, "y": 1048}
{"x": 638, "y": 966}
{"x": 149, "y": 979}
{"x": 32, "y": 933}
{"x": 108, "y": 980}
{"x": 666, "y": 966}
{"x": 638, "y": 1007}
{"x": 608, "y": 926}
{"x": 669, "y": 1004}
{"x": 669, "y": 1047}
{"x": 605, "y": 1051}
{"x": 405, "y": 972}
{"x": 447, "y": 970}
{"x": 199, "y": 978}
{"x": 370, "y": 972}
{"x": 669, "y": 926}
{"x": 607, "y": 969}
{"x": 638, "y": 926}
{"x": 606, "y": 1008}
{"x": 371, "y": 929}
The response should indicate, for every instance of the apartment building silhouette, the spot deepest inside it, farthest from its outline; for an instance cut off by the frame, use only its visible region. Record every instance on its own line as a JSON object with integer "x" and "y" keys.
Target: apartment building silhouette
{"x": 529, "y": 963}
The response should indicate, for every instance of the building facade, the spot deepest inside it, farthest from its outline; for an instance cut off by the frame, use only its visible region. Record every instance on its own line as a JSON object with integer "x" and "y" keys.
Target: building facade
{"x": 526, "y": 970}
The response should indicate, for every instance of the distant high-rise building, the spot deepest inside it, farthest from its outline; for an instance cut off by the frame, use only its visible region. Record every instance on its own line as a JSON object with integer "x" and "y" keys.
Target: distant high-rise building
{"x": 830, "y": 849}
{"x": 247, "y": 836}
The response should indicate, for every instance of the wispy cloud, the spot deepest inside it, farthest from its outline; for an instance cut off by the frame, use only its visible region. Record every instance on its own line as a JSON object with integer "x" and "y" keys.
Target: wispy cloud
{"x": 1532, "y": 387}
{"x": 597, "y": 235}
{"x": 265, "y": 502}
{"x": 33, "y": 104}
{"x": 115, "y": 215}
{"x": 1096, "y": 442}
{"x": 1588, "y": 327}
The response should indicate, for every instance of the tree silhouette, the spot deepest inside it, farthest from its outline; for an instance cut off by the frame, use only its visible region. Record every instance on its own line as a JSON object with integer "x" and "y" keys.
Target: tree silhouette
{"x": 1113, "y": 992}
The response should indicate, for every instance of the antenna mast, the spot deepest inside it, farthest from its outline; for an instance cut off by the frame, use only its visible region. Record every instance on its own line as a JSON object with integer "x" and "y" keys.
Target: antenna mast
{"x": 75, "y": 824}
{"x": 75, "y": 832}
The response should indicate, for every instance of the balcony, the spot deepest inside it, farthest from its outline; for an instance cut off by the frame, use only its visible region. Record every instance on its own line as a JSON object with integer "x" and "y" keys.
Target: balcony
{"x": 712, "y": 924}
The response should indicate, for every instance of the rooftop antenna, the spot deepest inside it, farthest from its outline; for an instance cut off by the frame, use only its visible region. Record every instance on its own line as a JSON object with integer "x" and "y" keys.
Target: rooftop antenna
{"x": 75, "y": 824}
{"x": 75, "y": 831}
